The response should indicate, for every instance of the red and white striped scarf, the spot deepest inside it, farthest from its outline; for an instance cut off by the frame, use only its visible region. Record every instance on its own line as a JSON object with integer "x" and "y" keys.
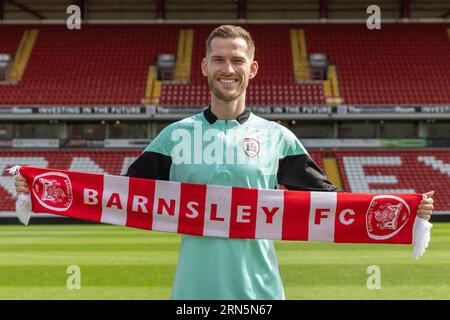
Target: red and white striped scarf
{"x": 223, "y": 211}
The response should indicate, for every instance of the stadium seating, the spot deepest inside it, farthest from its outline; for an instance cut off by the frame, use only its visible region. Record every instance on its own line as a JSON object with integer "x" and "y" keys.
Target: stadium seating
{"x": 257, "y": 95}
{"x": 107, "y": 64}
{"x": 104, "y": 65}
{"x": 11, "y": 36}
{"x": 399, "y": 64}
{"x": 402, "y": 171}
{"x": 384, "y": 171}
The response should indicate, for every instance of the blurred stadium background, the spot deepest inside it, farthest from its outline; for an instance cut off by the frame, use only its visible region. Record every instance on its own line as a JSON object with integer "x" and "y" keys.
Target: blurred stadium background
{"x": 371, "y": 106}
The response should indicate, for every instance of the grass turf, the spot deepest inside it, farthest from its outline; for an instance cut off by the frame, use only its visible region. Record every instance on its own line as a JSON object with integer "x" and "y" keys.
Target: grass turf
{"x": 123, "y": 263}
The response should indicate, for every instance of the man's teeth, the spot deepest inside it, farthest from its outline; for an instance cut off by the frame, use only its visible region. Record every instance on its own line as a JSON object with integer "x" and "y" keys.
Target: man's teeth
{"x": 227, "y": 80}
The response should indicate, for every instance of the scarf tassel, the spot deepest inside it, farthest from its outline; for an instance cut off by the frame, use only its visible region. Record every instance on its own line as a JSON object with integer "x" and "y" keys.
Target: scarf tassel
{"x": 421, "y": 237}
{"x": 23, "y": 203}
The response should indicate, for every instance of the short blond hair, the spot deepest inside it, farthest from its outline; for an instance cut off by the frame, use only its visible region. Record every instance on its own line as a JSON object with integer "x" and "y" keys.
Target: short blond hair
{"x": 231, "y": 32}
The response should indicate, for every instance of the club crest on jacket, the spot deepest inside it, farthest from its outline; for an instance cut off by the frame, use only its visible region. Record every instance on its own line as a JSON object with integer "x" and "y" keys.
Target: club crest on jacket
{"x": 251, "y": 147}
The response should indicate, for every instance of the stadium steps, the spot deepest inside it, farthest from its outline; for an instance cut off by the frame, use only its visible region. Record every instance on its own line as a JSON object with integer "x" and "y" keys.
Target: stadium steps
{"x": 300, "y": 55}
{"x": 331, "y": 87}
{"x": 331, "y": 168}
{"x": 153, "y": 87}
{"x": 184, "y": 55}
{"x": 17, "y": 69}
{"x": 332, "y": 75}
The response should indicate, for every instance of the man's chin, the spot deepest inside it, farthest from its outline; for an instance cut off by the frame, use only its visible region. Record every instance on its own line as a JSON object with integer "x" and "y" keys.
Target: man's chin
{"x": 226, "y": 97}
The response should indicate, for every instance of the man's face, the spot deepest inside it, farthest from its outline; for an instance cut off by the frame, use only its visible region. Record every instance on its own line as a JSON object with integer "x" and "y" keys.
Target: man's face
{"x": 228, "y": 68}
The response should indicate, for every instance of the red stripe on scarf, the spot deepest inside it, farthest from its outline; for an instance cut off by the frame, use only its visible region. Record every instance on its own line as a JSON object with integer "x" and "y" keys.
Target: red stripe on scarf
{"x": 244, "y": 204}
{"x": 140, "y": 203}
{"x": 192, "y": 209}
{"x": 296, "y": 215}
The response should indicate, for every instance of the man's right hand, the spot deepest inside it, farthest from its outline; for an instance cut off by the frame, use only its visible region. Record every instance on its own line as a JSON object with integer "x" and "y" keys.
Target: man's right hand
{"x": 21, "y": 185}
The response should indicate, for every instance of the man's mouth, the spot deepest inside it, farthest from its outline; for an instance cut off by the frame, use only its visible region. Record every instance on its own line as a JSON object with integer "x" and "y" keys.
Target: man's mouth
{"x": 227, "y": 81}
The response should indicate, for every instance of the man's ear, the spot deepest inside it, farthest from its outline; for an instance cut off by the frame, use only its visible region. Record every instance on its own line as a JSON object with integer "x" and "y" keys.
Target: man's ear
{"x": 204, "y": 65}
{"x": 253, "y": 69}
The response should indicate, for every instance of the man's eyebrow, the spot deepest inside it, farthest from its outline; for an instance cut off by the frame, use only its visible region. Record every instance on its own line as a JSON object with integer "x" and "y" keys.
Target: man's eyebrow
{"x": 233, "y": 58}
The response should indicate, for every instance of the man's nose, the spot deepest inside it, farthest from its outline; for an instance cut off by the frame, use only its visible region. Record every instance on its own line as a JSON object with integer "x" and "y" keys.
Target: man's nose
{"x": 228, "y": 68}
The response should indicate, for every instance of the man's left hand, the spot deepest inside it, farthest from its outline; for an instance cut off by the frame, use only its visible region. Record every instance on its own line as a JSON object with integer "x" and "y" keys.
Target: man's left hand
{"x": 426, "y": 207}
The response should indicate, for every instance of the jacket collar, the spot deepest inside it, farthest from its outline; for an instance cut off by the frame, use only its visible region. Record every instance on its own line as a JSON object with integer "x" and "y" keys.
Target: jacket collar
{"x": 211, "y": 117}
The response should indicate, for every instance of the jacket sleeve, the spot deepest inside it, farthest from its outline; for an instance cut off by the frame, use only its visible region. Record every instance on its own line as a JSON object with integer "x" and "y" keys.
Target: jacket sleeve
{"x": 300, "y": 172}
{"x": 155, "y": 161}
{"x": 150, "y": 165}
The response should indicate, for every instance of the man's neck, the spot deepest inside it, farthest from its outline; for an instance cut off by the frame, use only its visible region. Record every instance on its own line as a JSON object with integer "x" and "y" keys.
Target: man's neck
{"x": 227, "y": 110}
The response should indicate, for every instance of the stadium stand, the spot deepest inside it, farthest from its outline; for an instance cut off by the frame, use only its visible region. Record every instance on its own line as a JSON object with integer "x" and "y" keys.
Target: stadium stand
{"x": 108, "y": 64}
{"x": 11, "y": 35}
{"x": 402, "y": 64}
{"x": 105, "y": 65}
{"x": 367, "y": 171}
{"x": 399, "y": 171}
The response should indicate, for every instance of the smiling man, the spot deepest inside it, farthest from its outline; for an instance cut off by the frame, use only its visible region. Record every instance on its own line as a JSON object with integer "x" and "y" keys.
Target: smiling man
{"x": 233, "y": 147}
{"x": 230, "y": 146}
{"x": 229, "y": 66}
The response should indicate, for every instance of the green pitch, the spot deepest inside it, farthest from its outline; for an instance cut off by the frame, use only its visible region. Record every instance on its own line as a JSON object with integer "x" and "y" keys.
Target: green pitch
{"x": 123, "y": 263}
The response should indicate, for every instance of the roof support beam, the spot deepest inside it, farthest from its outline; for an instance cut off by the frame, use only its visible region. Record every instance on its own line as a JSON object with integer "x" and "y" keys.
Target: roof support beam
{"x": 2, "y": 9}
{"x": 242, "y": 9}
{"x": 323, "y": 9}
{"x": 82, "y": 5}
{"x": 160, "y": 9}
{"x": 26, "y": 9}
{"x": 405, "y": 9}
